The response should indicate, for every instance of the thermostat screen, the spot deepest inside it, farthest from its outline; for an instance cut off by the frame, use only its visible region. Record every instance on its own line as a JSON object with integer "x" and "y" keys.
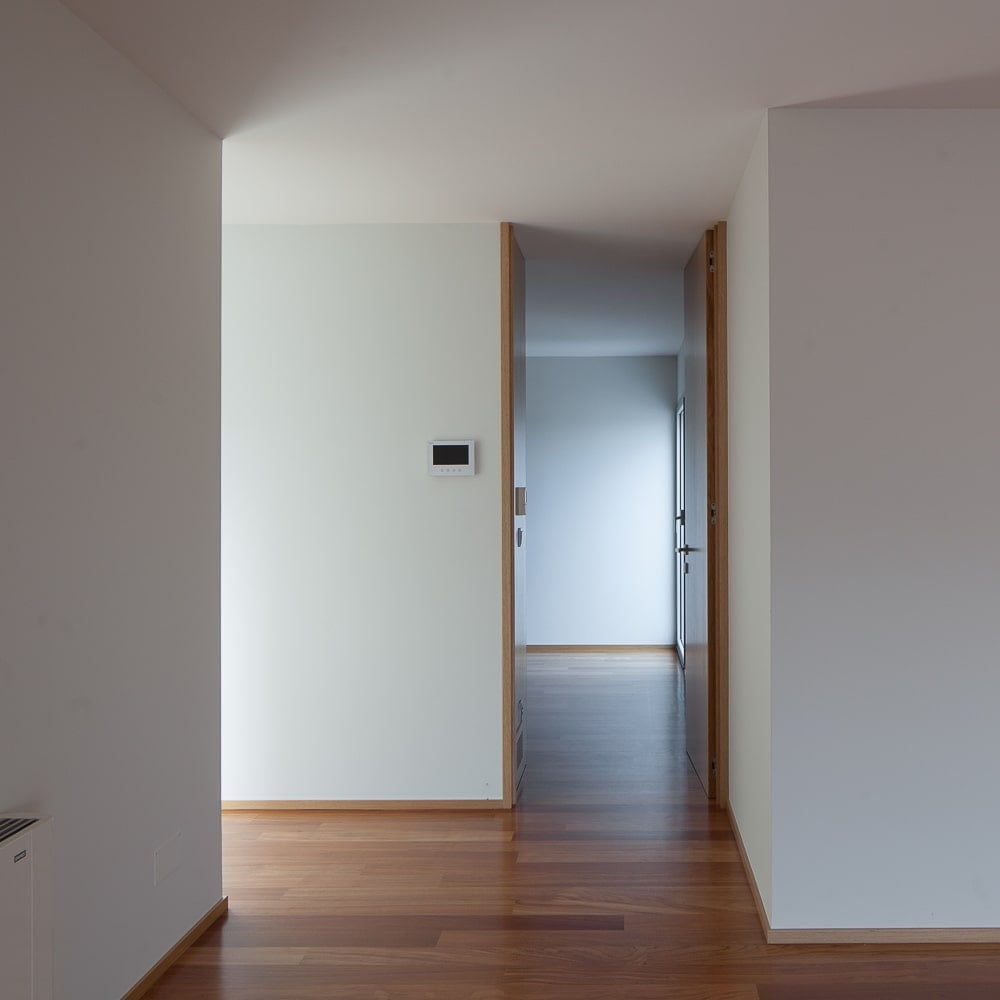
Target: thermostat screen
{"x": 451, "y": 454}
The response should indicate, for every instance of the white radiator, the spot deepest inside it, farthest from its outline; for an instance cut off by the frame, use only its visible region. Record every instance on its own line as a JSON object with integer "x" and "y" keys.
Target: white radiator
{"x": 26, "y": 907}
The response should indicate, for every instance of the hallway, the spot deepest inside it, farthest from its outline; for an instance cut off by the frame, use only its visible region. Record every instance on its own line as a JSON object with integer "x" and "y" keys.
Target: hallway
{"x": 613, "y": 878}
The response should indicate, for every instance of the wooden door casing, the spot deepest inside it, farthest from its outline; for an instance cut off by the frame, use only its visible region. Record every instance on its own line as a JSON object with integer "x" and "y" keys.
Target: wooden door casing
{"x": 514, "y": 524}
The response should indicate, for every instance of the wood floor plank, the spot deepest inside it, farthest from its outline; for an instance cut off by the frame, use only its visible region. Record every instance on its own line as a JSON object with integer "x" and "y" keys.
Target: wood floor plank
{"x": 613, "y": 878}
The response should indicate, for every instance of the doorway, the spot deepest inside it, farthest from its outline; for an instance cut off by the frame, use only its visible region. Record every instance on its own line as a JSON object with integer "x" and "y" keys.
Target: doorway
{"x": 599, "y": 526}
{"x": 703, "y": 367}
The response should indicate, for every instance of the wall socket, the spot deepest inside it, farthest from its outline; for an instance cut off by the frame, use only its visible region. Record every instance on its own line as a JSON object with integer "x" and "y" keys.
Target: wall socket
{"x": 166, "y": 858}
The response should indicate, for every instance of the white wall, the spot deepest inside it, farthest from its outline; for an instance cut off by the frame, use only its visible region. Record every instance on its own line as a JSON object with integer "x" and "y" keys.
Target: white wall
{"x": 109, "y": 416}
{"x": 601, "y": 500}
{"x": 750, "y": 515}
{"x": 361, "y": 597}
{"x": 885, "y": 481}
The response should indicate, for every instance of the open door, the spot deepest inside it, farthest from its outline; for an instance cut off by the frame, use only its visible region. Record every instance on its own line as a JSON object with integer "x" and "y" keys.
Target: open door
{"x": 680, "y": 534}
{"x": 703, "y": 548}
{"x": 513, "y": 511}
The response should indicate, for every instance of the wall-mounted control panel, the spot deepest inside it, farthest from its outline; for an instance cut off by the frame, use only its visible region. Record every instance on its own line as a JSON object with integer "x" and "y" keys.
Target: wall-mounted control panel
{"x": 451, "y": 458}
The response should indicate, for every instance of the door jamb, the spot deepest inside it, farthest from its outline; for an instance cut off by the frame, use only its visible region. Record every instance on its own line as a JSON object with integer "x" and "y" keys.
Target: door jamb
{"x": 507, "y": 505}
{"x": 718, "y": 498}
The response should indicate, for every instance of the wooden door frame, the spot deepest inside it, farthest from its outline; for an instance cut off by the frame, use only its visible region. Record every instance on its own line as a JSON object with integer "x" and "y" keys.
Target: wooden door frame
{"x": 718, "y": 498}
{"x": 507, "y": 504}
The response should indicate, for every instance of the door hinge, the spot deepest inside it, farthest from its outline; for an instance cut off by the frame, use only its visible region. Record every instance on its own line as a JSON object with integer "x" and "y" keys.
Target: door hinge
{"x": 715, "y": 514}
{"x": 713, "y": 766}
{"x": 711, "y": 262}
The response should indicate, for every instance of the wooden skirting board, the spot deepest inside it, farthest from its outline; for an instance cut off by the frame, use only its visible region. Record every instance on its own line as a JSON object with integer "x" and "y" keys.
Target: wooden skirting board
{"x": 601, "y": 649}
{"x": 857, "y": 935}
{"x": 886, "y": 935}
{"x": 147, "y": 982}
{"x": 356, "y": 805}
{"x": 751, "y": 878}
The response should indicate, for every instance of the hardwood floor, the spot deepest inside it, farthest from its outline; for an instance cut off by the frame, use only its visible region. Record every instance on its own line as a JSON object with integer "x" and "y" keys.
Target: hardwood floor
{"x": 613, "y": 878}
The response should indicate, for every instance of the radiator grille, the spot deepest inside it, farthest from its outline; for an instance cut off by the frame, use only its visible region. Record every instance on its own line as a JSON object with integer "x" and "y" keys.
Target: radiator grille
{"x": 10, "y": 825}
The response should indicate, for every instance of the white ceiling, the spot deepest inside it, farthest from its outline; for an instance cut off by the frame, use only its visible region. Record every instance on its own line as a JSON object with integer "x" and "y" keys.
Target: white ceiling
{"x": 602, "y": 127}
{"x": 587, "y": 308}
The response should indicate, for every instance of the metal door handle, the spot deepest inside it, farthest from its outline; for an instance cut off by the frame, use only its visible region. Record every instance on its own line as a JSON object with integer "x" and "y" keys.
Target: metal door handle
{"x": 686, "y": 549}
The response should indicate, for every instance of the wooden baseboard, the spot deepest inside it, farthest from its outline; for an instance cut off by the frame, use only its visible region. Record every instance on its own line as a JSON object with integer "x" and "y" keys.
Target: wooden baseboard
{"x": 357, "y": 805}
{"x": 885, "y": 935}
{"x": 856, "y": 935}
{"x": 758, "y": 902}
{"x": 147, "y": 982}
{"x": 602, "y": 649}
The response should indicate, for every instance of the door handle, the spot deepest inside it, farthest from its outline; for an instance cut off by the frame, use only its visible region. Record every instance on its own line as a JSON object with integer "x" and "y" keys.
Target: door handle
{"x": 686, "y": 549}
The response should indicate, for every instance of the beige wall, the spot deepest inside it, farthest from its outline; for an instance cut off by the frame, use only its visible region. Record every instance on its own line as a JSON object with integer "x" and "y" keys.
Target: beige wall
{"x": 600, "y": 479}
{"x": 109, "y": 425}
{"x": 361, "y": 596}
{"x": 884, "y": 482}
{"x": 750, "y": 514}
